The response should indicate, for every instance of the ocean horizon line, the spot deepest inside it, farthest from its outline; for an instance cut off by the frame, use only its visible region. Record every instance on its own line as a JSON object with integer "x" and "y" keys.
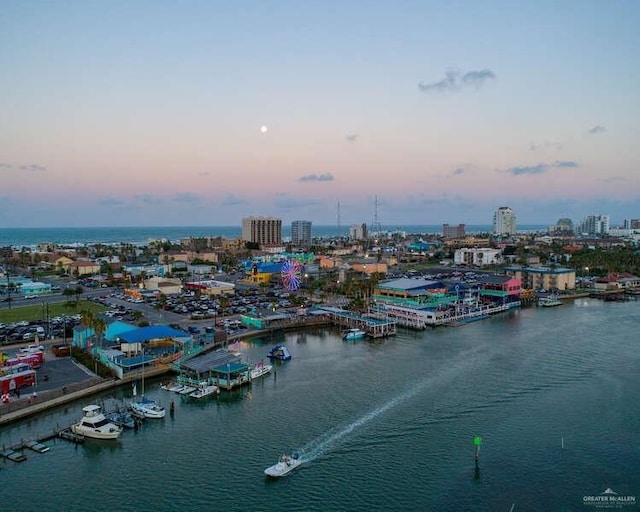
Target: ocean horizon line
{"x": 142, "y": 235}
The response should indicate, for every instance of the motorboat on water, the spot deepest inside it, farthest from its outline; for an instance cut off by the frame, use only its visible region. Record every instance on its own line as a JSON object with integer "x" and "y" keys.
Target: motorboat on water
{"x": 260, "y": 370}
{"x": 354, "y": 334}
{"x": 122, "y": 418}
{"x": 279, "y": 352}
{"x": 96, "y": 425}
{"x": 147, "y": 408}
{"x": 202, "y": 391}
{"x": 549, "y": 301}
{"x": 286, "y": 464}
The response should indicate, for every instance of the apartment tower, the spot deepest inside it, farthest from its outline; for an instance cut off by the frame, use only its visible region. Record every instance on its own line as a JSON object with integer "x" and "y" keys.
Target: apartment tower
{"x": 301, "y": 232}
{"x": 504, "y": 221}
{"x": 262, "y": 230}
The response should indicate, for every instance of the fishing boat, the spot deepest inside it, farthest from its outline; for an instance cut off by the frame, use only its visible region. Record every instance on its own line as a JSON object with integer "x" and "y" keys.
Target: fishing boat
{"x": 260, "y": 370}
{"x": 353, "y": 334}
{"x": 285, "y": 465}
{"x": 549, "y": 301}
{"x": 203, "y": 391}
{"x": 94, "y": 424}
{"x": 279, "y": 352}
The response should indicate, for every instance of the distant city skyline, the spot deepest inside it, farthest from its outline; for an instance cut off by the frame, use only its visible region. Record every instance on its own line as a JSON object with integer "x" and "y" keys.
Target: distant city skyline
{"x": 403, "y": 113}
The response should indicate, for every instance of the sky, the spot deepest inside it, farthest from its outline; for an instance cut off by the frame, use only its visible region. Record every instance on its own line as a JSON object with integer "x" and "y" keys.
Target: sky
{"x": 169, "y": 113}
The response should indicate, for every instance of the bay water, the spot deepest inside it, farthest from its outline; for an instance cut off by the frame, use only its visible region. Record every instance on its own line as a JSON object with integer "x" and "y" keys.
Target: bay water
{"x": 554, "y": 394}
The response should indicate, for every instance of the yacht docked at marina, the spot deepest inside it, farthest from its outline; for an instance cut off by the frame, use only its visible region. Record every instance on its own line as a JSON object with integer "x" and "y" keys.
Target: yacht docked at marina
{"x": 94, "y": 424}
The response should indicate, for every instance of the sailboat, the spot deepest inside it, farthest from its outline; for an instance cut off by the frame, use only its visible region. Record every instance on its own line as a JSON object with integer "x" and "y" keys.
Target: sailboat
{"x": 145, "y": 407}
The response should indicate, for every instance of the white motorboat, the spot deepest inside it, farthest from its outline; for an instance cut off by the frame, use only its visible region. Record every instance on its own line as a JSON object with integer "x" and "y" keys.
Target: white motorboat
{"x": 285, "y": 465}
{"x": 354, "y": 334}
{"x": 187, "y": 390}
{"x": 203, "y": 391}
{"x": 549, "y": 301}
{"x": 147, "y": 408}
{"x": 94, "y": 424}
{"x": 260, "y": 370}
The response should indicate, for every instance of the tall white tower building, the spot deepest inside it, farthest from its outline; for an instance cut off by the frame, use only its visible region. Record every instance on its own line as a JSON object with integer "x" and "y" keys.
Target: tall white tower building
{"x": 504, "y": 221}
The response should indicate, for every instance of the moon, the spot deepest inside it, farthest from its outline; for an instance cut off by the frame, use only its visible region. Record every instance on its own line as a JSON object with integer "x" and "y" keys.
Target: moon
{"x": 263, "y": 129}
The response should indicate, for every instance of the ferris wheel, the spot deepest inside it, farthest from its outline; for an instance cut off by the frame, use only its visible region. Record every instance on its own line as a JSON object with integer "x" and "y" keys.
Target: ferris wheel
{"x": 291, "y": 275}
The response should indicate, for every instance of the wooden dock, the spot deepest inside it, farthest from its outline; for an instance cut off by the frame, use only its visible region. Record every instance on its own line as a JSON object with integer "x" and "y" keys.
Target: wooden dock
{"x": 374, "y": 326}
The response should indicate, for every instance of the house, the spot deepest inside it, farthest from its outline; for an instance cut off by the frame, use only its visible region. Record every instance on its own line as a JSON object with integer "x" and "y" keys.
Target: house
{"x": 62, "y": 263}
{"x": 83, "y": 268}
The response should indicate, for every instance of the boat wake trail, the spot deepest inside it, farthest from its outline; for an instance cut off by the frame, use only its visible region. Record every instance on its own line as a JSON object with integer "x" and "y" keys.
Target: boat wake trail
{"x": 323, "y": 443}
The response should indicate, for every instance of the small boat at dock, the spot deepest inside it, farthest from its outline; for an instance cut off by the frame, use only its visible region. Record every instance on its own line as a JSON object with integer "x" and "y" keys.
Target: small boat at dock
{"x": 94, "y": 424}
{"x": 123, "y": 419}
{"x": 260, "y": 370}
{"x": 147, "y": 408}
{"x": 204, "y": 391}
{"x": 549, "y": 301}
{"x": 353, "y": 334}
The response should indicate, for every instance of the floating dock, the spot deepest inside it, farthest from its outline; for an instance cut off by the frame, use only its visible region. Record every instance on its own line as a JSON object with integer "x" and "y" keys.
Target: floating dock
{"x": 13, "y": 455}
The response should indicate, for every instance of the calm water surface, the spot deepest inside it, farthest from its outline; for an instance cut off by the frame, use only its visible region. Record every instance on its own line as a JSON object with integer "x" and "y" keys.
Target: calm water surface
{"x": 382, "y": 426}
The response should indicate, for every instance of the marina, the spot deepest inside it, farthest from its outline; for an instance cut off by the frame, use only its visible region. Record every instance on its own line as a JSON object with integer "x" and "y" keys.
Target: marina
{"x": 436, "y": 386}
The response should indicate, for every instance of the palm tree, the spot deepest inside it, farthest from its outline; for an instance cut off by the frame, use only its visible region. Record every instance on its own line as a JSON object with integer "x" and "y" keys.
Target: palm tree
{"x": 99, "y": 326}
{"x": 77, "y": 292}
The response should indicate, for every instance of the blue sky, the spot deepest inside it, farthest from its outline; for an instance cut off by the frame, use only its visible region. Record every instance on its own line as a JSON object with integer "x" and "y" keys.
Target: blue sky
{"x": 150, "y": 113}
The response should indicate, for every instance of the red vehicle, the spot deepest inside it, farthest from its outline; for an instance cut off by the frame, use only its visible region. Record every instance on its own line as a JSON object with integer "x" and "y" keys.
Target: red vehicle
{"x": 33, "y": 359}
{"x": 12, "y": 381}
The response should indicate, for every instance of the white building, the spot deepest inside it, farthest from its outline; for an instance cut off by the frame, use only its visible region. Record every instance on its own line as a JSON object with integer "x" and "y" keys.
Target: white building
{"x": 504, "y": 221}
{"x": 478, "y": 257}
{"x": 595, "y": 225}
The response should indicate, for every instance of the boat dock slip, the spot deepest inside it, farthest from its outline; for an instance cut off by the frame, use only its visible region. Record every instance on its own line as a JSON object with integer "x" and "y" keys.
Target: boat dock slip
{"x": 67, "y": 435}
{"x": 374, "y": 327}
{"x": 36, "y": 446}
{"x": 10, "y": 454}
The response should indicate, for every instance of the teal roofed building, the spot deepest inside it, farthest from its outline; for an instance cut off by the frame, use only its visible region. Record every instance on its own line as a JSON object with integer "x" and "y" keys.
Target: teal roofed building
{"x": 116, "y": 329}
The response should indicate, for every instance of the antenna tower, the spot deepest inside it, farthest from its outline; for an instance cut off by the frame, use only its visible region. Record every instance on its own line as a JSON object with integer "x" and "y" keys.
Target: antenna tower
{"x": 377, "y": 228}
{"x": 338, "y": 211}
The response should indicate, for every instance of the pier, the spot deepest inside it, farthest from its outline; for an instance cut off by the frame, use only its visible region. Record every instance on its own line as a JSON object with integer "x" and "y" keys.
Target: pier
{"x": 15, "y": 452}
{"x": 374, "y": 327}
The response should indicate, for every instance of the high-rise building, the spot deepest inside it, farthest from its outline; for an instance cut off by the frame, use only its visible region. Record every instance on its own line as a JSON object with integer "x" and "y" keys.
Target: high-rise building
{"x": 595, "y": 225}
{"x": 262, "y": 230}
{"x": 358, "y": 232}
{"x": 504, "y": 221}
{"x": 301, "y": 232}
{"x": 453, "y": 232}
